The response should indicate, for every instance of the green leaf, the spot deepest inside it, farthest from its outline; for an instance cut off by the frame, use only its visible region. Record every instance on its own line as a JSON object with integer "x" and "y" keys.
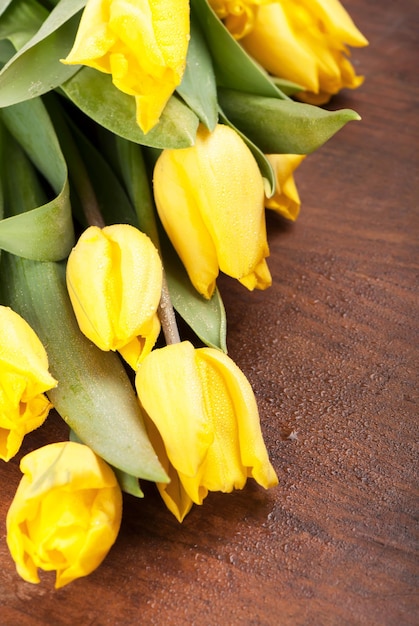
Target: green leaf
{"x": 41, "y": 231}
{"x": 36, "y": 68}
{"x": 94, "y": 395}
{"x": 92, "y": 179}
{"x": 94, "y": 93}
{"x": 234, "y": 68}
{"x": 198, "y": 87}
{"x": 128, "y": 483}
{"x": 20, "y": 20}
{"x": 286, "y": 86}
{"x": 6, "y": 51}
{"x": 282, "y": 126}
{"x": 3, "y": 5}
{"x": 207, "y": 318}
{"x": 136, "y": 178}
{"x": 31, "y": 126}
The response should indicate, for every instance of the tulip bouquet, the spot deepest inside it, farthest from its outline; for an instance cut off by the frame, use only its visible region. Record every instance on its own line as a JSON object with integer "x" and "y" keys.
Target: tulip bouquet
{"x": 140, "y": 144}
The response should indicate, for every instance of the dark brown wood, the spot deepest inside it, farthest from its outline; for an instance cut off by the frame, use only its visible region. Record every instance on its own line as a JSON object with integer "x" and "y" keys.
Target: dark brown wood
{"x": 332, "y": 352}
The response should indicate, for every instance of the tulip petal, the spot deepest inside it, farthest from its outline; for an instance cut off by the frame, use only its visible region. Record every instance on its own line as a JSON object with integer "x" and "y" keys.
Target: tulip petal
{"x": 253, "y": 454}
{"x": 285, "y": 201}
{"x": 142, "y": 44}
{"x": 66, "y": 513}
{"x": 114, "y": 278}
{"x": 235, "y": 220}
{"x": 137, "y": 349}
{"x": 22, "y": 350}
{"x": 223, "y": 469}
{"x": 273, "y": 43}
{"x": 169, "y": 390}
{"x": 305, "y": 42}
{"x": 180, "y": 216}
{"x": 210, "y": 200}
{"x": 173, "y": 493}
{"x": 337, "y": 21}
{"x": 24, "y": 377}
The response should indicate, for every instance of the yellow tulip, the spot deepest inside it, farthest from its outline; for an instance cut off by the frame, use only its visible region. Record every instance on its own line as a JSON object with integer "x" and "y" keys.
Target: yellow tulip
{"x": 238, "y": 15}
{"x": 24, "y": 378}
{"x": 286, "y": 200}
{"x": 306, "y": 41}
{"x": 142, "y": 43}
{"x": 203, "y": 421}
{"x": 66, "y": 513}
{"x": 210, "y": 199}
{"x": 114, "y": 279}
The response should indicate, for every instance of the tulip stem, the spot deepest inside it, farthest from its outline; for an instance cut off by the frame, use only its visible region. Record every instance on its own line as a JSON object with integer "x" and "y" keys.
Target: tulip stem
{"x": 86, "y": 194}
{"x": 167, "y": 315}
{"x": 90, "y": 205}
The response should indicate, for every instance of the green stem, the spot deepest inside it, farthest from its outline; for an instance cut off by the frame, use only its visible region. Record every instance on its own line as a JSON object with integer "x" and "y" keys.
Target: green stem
{"x": 134, "y": 172}
{"x": 167, "y": 315}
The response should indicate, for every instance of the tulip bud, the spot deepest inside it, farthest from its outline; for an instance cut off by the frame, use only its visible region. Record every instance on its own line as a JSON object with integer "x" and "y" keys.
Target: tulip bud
{"x": 114, "y": 279}
{"x": 305, "y": 42}
{"x": 66, "y": 513}
{"x": 142, "y": 44}
{"x": 210, "y": 199}
{"x": 24, "y": 378}
{"x": 285, "y": 201}
{"x": 203, "y": 421}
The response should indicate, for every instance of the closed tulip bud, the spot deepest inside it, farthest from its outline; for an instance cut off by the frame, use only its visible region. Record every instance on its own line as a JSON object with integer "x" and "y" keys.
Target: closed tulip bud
{"x": 24, "y": 378}
{"x": 204, "y": 424}
{"x": 143, "y": 44}
{"x": 66, "y": 513}
{"x": 210, "y": 199}
{"x": 306, "y": 41}
{"x": 114, "y": 279}
{"x": 285, "y": 201}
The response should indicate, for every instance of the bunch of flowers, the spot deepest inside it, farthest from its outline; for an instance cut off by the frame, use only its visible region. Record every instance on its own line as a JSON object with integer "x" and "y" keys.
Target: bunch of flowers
{"x": 140, "y": 144}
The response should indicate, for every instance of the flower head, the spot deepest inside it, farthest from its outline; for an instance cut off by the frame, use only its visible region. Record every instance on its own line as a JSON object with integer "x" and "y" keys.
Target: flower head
{"x": 114, "y": 279}
{"x": 204, "y": 424}
{"x": 142, "y": 43}
{"x": 285, "y": 201}
{"x": 306, "y": 41}
{"x": 210, "y": 200}
{"x": 66, "y": 513}
{"x": 24, "y": 378}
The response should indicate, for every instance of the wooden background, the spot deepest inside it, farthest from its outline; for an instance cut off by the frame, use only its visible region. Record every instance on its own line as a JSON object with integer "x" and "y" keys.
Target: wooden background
{"x": 331, "y": 351}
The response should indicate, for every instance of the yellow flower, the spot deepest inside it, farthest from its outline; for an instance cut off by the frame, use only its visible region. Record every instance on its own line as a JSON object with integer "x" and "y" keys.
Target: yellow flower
{"x": 66, "y": 513}
{"x": 24, "y": 377}
{"x": 285, "y": 200}
{"x": 203, "y": 421}
{"x": 210, "y": 199}
{"x": 306, "y": 41}
{"x": 114, "y": 279}
{"x": 142, "y": 43}
{"x": 238, "y": 15}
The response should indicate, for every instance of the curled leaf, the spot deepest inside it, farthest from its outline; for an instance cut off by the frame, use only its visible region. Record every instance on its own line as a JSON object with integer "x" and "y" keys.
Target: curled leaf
{"x": 36, "y": 68}
{"x": 41, "y": 231}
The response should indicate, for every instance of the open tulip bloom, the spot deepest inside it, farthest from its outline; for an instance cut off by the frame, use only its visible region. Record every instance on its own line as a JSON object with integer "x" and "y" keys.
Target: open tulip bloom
{"x": 146, "y": 140}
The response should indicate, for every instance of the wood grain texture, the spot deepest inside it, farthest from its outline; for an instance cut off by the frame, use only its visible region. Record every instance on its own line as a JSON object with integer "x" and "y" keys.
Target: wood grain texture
{"x": 332, "y": 352}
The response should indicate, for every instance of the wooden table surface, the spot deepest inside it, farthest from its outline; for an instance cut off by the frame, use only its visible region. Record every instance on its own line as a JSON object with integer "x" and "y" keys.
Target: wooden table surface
{"x": 331, "y": 351}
